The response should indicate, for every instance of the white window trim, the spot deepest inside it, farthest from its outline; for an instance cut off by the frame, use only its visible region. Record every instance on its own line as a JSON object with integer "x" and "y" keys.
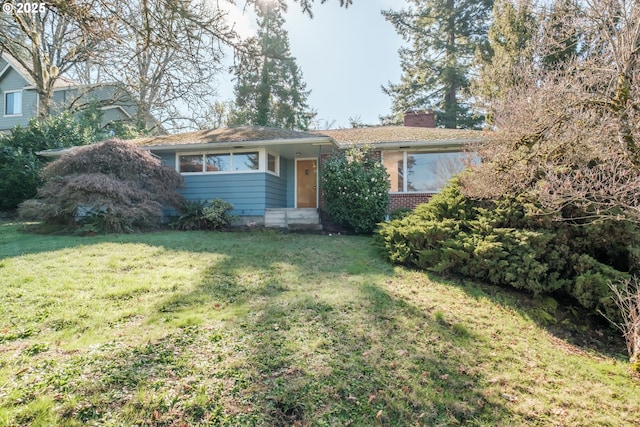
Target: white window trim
{"x": 6, "y": 92}
{"x": 266, "y": 163}
{"x": 261, "y": 161}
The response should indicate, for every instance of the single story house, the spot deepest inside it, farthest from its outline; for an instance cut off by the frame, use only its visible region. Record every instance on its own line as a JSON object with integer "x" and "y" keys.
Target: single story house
{"x": 272, "y": 176}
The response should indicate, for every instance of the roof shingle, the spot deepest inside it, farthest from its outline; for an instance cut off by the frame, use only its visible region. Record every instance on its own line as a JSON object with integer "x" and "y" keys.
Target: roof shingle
{"x": 236, "y": 134}
{"x": 382, "y": 134}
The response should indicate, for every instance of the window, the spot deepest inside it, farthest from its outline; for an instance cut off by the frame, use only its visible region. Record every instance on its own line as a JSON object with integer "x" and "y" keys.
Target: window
{"x": 13, "y": 103}
{"x": 191, "y": 163}
{"x": 219, "y": 162}
{"x": 246, "y": 162}
{"x": 273, "y": 163}
{"x": 422, "y": 172}
{"x": 393, "y": 161}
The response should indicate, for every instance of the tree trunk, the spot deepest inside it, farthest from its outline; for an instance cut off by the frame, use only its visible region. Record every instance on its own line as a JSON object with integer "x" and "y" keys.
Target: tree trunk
{"x": 44, "y": 103}
{"x": 450, "y": 101}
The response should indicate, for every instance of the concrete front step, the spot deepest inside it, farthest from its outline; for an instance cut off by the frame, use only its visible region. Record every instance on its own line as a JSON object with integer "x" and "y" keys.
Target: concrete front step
{"x": 288, "y": 218}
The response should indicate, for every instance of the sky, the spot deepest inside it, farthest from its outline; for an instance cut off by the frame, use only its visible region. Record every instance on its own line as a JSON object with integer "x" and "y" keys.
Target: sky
{"x": 346, "y": 55}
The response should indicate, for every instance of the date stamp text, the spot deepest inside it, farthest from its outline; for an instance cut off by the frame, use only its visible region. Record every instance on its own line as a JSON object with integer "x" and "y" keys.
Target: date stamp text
{"x": 24, "y": 7}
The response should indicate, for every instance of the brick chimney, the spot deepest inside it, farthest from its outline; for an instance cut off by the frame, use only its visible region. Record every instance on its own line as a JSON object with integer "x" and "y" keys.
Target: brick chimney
{"x": 420, "y": 119}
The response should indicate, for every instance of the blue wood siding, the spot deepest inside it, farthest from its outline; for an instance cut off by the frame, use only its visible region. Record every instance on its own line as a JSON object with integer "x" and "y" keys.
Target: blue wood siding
{"x": 250, "y": 193}
{"x": 13, "y": 81}
{"x": 289, "y": 174}
{"x": 245, "y": 191}
{"x": 276, "y": 190}
{"x": 168, "y": 159}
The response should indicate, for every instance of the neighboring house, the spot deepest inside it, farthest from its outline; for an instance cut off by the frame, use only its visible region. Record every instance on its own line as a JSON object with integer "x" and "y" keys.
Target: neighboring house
{"x": 272, "y": 176}
{"x": 19, "y": 100}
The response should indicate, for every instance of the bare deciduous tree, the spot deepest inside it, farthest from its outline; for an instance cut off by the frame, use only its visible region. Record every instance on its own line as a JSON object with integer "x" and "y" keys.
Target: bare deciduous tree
{"x": 627, "y": 296}
{"x": 166, "y": 54}
{"x": 48, "y": 42}
{"x": 162, "y": 54}
{"x": 570, "y": 136}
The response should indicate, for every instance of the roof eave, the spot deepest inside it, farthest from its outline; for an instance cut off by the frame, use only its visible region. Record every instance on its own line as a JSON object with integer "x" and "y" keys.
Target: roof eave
{"x": 17, "y": 67}
{"x": 435, "y": 144}
{"x": 237, "y": 144}
{"x": 111, "y": 107}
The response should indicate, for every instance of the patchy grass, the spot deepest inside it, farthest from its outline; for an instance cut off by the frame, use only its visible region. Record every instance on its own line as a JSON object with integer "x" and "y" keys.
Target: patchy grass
{"x": 268, "y": 329}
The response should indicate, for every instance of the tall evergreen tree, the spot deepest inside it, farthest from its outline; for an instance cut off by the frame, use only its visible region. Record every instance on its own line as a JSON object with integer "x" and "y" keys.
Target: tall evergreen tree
{"x": 562, "y": 37}
{"x": 269, "y": 87}
{"x": 510, "y": 49}
{"x": 443, "y": 36}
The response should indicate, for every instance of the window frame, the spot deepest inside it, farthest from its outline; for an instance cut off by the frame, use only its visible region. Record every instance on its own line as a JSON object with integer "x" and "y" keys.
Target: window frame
{"x": 277, "y": 165}
{"x": 262, "y": 161}
{"x": 9, "y": 92}
{"x": 405, "y": 155}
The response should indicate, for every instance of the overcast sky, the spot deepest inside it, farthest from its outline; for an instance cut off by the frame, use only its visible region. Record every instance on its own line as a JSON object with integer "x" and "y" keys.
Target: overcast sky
{"x": 345, "y": 56}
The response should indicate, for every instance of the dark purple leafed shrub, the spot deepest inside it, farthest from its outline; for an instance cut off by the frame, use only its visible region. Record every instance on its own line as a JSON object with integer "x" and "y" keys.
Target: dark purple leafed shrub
{"x": 108, "y": 187}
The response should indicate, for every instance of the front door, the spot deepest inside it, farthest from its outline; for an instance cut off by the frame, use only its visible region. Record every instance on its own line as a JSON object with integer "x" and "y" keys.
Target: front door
{"x": 307, "y": 183}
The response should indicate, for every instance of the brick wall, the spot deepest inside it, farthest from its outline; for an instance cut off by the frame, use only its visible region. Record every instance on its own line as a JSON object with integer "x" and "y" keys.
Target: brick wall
{"x": 407, "y": 200}
{"x": 421, "y": 118}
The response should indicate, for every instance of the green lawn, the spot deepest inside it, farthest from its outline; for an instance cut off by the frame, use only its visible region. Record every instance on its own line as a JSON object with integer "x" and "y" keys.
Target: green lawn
{"x": 263, "y": 328}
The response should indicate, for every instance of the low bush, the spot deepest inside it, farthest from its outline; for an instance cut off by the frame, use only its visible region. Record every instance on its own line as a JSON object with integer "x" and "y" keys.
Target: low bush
{"x": 190, "y": 217}
{"x": 217, "y": 213}
{"x": 356, "y": 189}
{"x": 505, "y": 242}
{"x": 202, "y": 215}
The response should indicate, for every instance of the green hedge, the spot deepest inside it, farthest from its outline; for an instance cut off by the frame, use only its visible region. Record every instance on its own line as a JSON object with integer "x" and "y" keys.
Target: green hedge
{"x": 503, "y": 243}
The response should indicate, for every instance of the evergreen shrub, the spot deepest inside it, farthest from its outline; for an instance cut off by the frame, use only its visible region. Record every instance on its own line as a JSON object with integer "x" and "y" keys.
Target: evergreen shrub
{"x": 506, "y": 243}
{"x": 218, "y": 213}
{"x": 20, "y": 165}
{"x": 356, "y": 189}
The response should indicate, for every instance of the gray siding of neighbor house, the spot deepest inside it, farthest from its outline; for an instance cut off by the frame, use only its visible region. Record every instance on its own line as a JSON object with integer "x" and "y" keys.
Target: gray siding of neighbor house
{"x": 113, "y": 115}
{"x": 13, "y": 81}
{"x": 60, "y": 99}
{"x": 63, "y": 98}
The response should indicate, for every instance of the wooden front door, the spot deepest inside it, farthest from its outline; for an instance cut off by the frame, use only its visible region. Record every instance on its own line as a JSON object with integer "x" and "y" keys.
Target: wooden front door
{"x": 307, "y": 183}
